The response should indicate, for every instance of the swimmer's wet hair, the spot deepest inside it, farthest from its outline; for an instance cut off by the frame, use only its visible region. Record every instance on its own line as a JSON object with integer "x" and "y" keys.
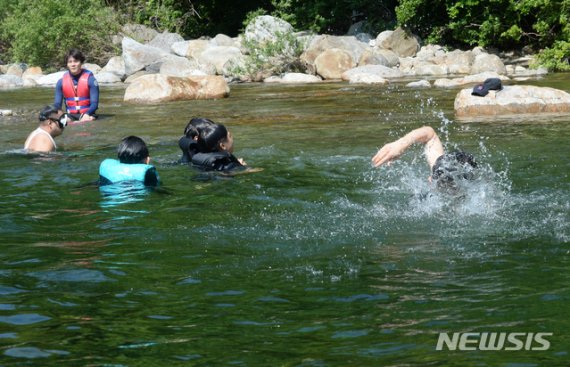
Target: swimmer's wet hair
{"x": 47, "y": 111}
{"x": 193, "y": 127}
{"x": 132, "y": 150}
{"x": 452, "y": 166}
{"x": 210, "y": 138}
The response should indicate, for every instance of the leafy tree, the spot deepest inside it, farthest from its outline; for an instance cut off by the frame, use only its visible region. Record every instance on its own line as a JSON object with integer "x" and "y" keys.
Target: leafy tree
{"x": 40, "y": 32}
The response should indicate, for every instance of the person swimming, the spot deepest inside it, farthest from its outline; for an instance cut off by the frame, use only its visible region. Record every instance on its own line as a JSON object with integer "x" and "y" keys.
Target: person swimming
{"x": 132, "y": 165}
{"x": 209, "y": 146}
{"x": 447, "y": 169}
{"x": 189, "y": 142}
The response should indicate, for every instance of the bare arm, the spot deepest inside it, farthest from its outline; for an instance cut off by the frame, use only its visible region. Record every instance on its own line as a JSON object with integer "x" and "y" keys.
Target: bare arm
{"x": 425, "y": 135}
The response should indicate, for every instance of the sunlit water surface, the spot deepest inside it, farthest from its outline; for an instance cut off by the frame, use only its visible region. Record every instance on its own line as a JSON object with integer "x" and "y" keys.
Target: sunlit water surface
{"x": 318, "y": 260}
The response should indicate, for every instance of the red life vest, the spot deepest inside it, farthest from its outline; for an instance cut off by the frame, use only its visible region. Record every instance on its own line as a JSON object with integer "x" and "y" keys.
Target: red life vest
{"x": 76, "y": 99}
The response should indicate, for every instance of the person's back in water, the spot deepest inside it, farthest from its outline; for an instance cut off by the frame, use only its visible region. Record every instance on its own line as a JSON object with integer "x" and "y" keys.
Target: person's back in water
{"x": 209, "y": 147}
{"x": 132, "y": 164}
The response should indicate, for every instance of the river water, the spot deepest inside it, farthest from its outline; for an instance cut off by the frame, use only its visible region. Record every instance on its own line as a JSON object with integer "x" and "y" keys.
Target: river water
{"x": 318, "y": 260}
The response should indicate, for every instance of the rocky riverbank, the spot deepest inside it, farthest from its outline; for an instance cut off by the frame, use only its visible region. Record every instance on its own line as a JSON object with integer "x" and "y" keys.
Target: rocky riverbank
{"x": 164, "y": 66}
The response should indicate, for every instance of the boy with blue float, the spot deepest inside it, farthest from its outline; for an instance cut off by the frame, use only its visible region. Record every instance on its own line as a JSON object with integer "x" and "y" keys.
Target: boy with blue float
{"x": 132, "y": 165}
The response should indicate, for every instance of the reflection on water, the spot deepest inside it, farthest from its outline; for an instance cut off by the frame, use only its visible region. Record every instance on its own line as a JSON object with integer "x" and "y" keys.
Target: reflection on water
{"x": 317, "y": 260}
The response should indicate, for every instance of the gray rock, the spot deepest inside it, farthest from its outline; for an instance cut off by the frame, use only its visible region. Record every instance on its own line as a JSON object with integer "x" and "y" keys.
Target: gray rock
{"x": 223, "y": 40}
{"x": 115, "y": 65}
{"x": 419, "y": 84}
{"x": 320, "y": 44}
{"x": 162, "y": 88}
{"x": 16, "y": 69}
{"x": 295, "y": 78}
{"x": 10, "y": 81}
{"x": 94, "y": 68}
{"x": 218, "y": 56}
{"x": 377, "y": 70}
{"x": 50, "y": 79}
{"x": 367, "y": 79}
{"x": 266, "y": 28}
{"x": 179, "y": 66}
{"x": 138, "y": 57}
{"x": 331, "y": 63}
{"x": 399, "y": 41}
{"x": 515, "y": 99}
{"x": 487, "y": 62}
{"x": 164, "y": 41}
{"x": 106, "y": 77}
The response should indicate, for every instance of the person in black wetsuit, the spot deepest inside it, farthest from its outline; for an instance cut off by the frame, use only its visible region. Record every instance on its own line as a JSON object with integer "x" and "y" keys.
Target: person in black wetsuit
{"x": 189, "y": 142}
{"x": 445, "y": 168}
{"x": 209, "y": 146}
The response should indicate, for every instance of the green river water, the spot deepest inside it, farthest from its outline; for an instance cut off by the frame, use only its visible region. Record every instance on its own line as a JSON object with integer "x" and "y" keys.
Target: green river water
{"x": 318, "y": 260}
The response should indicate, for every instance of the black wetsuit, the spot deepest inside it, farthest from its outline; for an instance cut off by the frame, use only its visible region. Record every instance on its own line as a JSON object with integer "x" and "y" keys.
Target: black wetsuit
{"x": 213, "y": 161}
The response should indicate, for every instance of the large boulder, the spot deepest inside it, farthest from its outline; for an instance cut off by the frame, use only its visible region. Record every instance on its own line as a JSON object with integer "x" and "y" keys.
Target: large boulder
{"x": 266, "y": 28}
{"x": 161, "y": 88}
{"x": 319, "y": 44}
{"x": 516, "y": 99}
{"x": 330, "y": 64}
{"x": 218, "y": 56}
{"x": 138, "y": 56}
{"x": 50, "y": 79}
{"x": 34, "y": 72}
{"x": 401, "y": 42}
{"x": 375, "y": 70}
{"x": 488, "y": 62}
{"x": 115, "y": 65}
{"x": 179, "y": 66}
{"x": 105, "y": 77}
{"x": 190, "y": 49}
{"x": 459, "y": 62}
{"x": 94, "y": 68}
{"x": 10, "y": 81}
{"x": 223, "y": 40}
{"x": 369, "y": 57}
{"x": 16, "y": 69}
{"x": 165, "y": 40}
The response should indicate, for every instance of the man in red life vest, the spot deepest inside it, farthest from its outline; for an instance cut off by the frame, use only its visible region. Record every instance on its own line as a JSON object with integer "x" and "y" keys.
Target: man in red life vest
{"x": 79, "y": 88}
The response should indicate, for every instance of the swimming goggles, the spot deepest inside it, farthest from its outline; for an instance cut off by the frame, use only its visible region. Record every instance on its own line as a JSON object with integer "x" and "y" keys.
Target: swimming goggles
{"x": 63, "y": 120}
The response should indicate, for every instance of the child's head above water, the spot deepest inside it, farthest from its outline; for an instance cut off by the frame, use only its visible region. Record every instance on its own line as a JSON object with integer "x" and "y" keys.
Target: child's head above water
{"x": 133, "y": 150}
{"x": 192, "y": 130}
{"x": 215, "y": 138}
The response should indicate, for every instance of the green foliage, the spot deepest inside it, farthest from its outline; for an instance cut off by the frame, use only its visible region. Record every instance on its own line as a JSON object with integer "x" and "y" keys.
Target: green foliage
{"x": 498, "y": 23}
{"x": 555, "y": 58}
{"x": 40, "y": 32}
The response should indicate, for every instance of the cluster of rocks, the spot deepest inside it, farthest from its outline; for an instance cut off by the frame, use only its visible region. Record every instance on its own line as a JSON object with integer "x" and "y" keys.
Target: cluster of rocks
{"x": 164, "y": 66}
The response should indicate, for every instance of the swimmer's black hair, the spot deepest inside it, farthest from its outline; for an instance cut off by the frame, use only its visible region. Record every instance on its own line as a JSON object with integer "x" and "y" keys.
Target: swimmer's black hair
{"x": 210, "y": 138}
{"x": 47, "y": 111}
{"x": 132, "y": 150}
{"x": 447, "y": 163}
{"x": 452, "y": 166}
{"x": 192, "y": 129}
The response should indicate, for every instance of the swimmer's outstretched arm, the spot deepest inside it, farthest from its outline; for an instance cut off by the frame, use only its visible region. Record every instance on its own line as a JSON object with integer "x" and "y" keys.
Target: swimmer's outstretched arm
{"x": 425, "y": 135}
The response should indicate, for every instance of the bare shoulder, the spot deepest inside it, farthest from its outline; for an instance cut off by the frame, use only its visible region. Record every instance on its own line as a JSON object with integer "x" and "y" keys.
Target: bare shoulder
{"x": 41, "y": 143}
